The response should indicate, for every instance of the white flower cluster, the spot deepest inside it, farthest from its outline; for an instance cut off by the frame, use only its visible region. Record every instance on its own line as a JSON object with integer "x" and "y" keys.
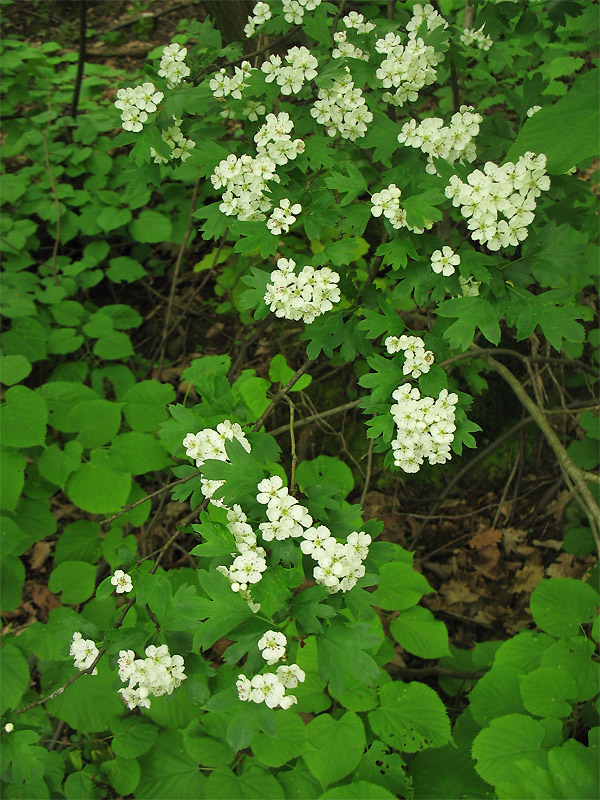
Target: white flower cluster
{"x": 346, "y": 49}
{"x": 294, "y": 10}
{"x": 387, "y": 202}
{"x": 270, "y": 687}
{"x": 157, "y": 674}
{"x": 425, "y": 427}
{"x": 84, "y": 651}
{"x": 301, "y": 67}
{"x": 172, "y": 66}
{"x": 209, "y": 443}
{"x": 223, "y": 85}
{"x": 408, "y": 68}
{"x": 122, "y": 581}
{"x": 286, "y": 516}
{"x": 339, "y": 566}
{"x": 478, "y": 38}
{"x": 357, "y": 21}
{"x": 444, "y": 261}
{"x": 135, "y": 105}
{"x": 248, "y": 567}
{"x": 451, "y": 142}
{"x": 245, "y": 179}
{"x": 303, "y": 296}
{"x": 417, "y": 359}
{"x": 510, "y": 190}
{"x": 283, "y": 216}
{"x": 253, "y": 110}
{"x": 342, "y": 109}
{"x": 260, "y": 14}
{"x": 180, "y": 146}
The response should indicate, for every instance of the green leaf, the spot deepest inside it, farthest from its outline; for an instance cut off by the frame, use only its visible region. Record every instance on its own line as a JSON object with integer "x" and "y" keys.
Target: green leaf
{"x": 338, "y": 746}
{"x": 280, "y": 372}
{"x": 12, "y": 471}
{"x": 575, "y": 657}
{"x": 354, "y": 184}
{"x": 574, "y": 770}
{"x": 145, "y": 404}
{"x": 79, "y": 541}
{"x": 88, "y": 704}
{"x": 124, "y": 269}
{"x": 140, "y": 452}
{"x": 95, "y": 421}
{"x": 169, "y": 772}
{"x": 419, "y": 632}
{"x": 328, "y": 471}
{"x": 99, "y": 486}
{"x": 123, "y": 774}
{"x": 360, "y": 790}
{"x": 204, "y": 748}
{"x": 113, "y": 345}
{"x": 13, "y": 369}
{"x": 12, "y": 578}
{"x": 64, "y": 340}
{"x": 218, "y": 541}
{"x": 75, "y": 579}
{"x": 400, "y": 587}
{"x": 291, "y": 741}
{"x": 545, "y": 692}
{"x": 111, "y": 218}
{"x": 574, "y": 123}
{"x": 223, "y": 612}
{"x": 411, "y": 717}
{"x": 308, "y": 609}
{"x": 132, "y": 737}
{"x": 60, "y": 397}
{"x": 506, "y": 741}
{"x": 14, "y": 676}
{"x": 560, "y": 605}
{"x": 496, "y": 694}
{"x": 341, "y": 654}
{"x": 254, "y": 784}
{"x": 523, "y": 651}
{"x": 151, "y": 226}
{"x": 24, "y": 418}
{"x": 470, "y": 312}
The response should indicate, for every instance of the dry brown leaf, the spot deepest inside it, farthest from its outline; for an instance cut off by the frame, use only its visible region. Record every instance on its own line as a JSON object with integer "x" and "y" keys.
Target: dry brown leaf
{"x": 526, "y": 579}
{"x": 42, "y": 597}
{"x": 457, "y": 592}
{"x": 565, "y": 567}
{"x": 511, "y": 537}
{"x": 485, "y": 538}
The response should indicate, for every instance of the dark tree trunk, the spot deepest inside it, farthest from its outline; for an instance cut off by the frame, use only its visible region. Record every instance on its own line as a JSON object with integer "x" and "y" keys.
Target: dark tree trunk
{"x": 229, "y": 17}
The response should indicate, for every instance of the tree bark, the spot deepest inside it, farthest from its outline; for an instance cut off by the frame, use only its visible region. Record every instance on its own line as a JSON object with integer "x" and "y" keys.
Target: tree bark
{"x": 230, "y": 17}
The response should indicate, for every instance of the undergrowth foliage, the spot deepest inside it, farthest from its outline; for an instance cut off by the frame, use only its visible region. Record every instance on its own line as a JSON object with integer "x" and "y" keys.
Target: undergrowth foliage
{"x": 363, "y": 168}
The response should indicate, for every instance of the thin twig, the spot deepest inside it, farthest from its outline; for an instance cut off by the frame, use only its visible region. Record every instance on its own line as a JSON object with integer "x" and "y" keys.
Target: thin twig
{"x": 54, "y": 195}
{"x": 368, "y": 475}
{"x": 83, "y": 5}
{"x": 282, "y": 393}
{"x": 292, "y": 446}
{"x": 149, "y": 496}
{"x": 175, "y": 274}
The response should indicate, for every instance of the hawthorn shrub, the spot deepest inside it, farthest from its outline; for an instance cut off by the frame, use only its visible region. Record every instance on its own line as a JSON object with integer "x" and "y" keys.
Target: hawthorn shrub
{"x": 361, "y": 168}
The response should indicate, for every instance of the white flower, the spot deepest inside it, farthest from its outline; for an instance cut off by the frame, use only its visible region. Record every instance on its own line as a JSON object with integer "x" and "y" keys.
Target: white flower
{"x": 272, "y": 644}
{"x": 84, "y": 652}
{"x": 244, "y": 687}
{"x": 9, "y": 727}
{"x": 533, "y": 110}
{"x": 444, "y": 261}
{"x": 122, "y": 581}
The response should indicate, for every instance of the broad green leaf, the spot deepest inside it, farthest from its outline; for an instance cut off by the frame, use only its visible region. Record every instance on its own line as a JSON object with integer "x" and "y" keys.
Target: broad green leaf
{"x": 508, "y": 739}
{"x": 354, "y": 184}
{"x": 140, "y": 452}
{"x": 400, "y": 587}
{"x": 111, "y": 218}
{"x": 341, "y": 655}
{"x": 574, "y": 656}
{"x": 56, "y": 465}
{"x": 91, "y": 702}
{"x": 224, "y": 612}
{"x": 113, "y": 345}
{"x": 325, "y": 470}
{"x": 360, "y": 790}
{"x": 418, "y": 631}
{"x": 384, "y": 768}
{"x": 145, "y": 404}
{"x": 169, "y": 772}
{"x": 411, "y": 717}
{"x": 13, "y": 369}
{"x": 546, "y": 690}
{"x": 64, "y": 340}
{"x": 523, "y": 651}
{"x": 12, "y": 472}
{"x": 574, "y": 770}
{"x": 98, "y": 486}
{"x": 291, "y": 741}
{"x": 253, "y": 784}
{"x": 298, "y": 783}
{"x": 124, "y": 269}
{"x": 496, "y": 694}
{"x": 280, "y": 372}
{"x": 12, "y": 578}
{"x": 94, "y": 421}
{"x": 217, "y": 539}
{"x": 123, "y": 774}
{"x": 151, "y": 226}
{"x": 561, "y": 605}
{"x": 132, "y": 736}
{"x": 23, "y": 418}
{"x": 14, "y": 676}
{"x": 60, "y": 397}
{"x": 208, "y": 751}
{"x": 338, "y": 746}
{"x": 574, "y": 123}
{"x": 75, "y": 579}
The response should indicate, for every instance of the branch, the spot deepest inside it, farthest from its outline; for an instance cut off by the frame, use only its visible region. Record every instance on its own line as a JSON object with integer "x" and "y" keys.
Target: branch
{"x": 125, "y": 509}
{"x": 281, "y": 393}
